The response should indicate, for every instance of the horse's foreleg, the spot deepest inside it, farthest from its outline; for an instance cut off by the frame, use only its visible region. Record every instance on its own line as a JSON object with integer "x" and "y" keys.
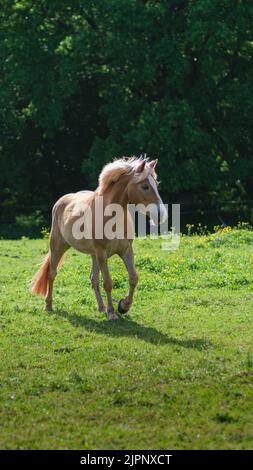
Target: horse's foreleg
{"x": 128, "y": 258}
{"x": 94, "y": 277}
{"x": 102, "y": 262}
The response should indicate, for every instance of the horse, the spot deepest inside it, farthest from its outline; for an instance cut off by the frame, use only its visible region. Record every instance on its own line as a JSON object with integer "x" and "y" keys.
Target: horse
{"x": 124, "y": 181}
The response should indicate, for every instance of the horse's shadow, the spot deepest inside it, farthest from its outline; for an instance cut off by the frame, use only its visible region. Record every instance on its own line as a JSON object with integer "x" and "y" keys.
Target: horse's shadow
{"x": 128, "y": 327}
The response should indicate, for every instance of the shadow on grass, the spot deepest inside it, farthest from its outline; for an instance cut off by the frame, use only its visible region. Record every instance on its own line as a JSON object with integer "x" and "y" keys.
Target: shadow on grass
{"x": 128, "y": 327}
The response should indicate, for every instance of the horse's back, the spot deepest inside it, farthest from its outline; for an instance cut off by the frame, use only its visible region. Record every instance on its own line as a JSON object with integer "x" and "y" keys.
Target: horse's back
{"x": 72, "y": 198}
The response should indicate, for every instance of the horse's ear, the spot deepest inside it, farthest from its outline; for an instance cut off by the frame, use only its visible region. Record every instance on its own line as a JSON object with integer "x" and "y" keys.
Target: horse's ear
{"x": 153, "y": 163}
{"x": 141, "y": 167}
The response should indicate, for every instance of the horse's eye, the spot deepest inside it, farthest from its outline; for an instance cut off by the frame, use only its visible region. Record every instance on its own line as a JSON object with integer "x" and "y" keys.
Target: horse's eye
{"x": 145, "y": 187}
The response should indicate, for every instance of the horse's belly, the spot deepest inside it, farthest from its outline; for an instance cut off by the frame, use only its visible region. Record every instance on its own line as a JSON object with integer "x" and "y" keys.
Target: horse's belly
{"x": 84, "y": 246}
{"x": 118, "y": 247}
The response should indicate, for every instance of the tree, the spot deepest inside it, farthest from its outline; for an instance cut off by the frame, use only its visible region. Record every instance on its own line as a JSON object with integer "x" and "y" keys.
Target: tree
{"x": 85, "y": 81}
{"x": 178, "y": 86}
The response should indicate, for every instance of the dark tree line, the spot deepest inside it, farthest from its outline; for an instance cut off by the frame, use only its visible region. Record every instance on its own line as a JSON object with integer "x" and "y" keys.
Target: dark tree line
{"x": 84, "y": 81}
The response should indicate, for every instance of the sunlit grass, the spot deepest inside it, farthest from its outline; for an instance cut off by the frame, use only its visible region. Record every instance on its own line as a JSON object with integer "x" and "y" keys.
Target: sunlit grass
{"x": 177, "y": 373}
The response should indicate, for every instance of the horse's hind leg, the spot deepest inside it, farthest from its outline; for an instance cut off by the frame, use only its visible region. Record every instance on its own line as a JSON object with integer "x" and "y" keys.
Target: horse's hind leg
{"x": 94, "y": 277}
{"x": 58, "y": 246}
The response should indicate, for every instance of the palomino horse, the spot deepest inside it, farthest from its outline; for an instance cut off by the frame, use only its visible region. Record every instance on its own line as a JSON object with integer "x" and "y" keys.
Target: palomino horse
{"x": 121, "y": 182}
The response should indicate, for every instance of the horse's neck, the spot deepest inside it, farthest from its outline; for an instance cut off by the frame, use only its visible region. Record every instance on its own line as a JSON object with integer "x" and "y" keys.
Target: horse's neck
{"x": 117, "y": 194}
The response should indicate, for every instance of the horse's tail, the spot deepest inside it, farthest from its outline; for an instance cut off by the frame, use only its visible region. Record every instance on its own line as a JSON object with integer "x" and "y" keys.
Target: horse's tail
{"x": 39, "y": 283}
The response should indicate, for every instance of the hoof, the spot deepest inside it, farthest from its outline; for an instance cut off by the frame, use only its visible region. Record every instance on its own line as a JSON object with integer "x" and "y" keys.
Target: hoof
{"x": 48, "y": 308}
{"x": 112, "y": 316}
{"x": 121, "y": 308}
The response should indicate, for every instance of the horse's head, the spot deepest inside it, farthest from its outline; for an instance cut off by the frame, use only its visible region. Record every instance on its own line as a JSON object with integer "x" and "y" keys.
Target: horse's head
{"x": 143, "y": 191}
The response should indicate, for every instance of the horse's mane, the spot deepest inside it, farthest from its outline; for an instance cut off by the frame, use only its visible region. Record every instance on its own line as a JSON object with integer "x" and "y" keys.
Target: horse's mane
{"x": 124, "y": 166}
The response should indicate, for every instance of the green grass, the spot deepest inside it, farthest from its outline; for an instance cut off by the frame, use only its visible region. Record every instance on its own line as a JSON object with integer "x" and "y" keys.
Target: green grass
{"x": 177, "y": 373}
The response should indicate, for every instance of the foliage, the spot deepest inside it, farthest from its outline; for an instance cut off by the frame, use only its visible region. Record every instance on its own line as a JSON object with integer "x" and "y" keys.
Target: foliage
{"x": 85, "y": 81}
{"x": 181, "y": 360}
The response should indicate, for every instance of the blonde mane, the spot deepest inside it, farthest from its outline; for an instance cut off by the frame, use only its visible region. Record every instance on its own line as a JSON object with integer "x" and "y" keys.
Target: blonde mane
{"x": 121, "y": 167}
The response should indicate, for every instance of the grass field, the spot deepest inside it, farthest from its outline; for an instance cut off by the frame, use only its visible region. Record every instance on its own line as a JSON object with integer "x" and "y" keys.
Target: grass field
{"x": 177, "y": 373}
